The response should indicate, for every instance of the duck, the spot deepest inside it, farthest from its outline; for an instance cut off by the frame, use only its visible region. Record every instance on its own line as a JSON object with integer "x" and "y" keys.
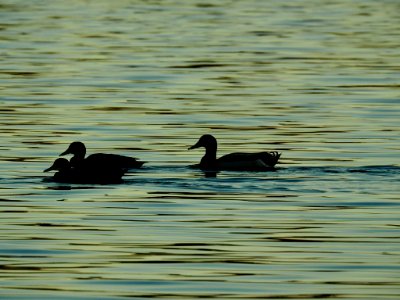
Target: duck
{"x": 64, "y": 172}
{"x": 78, "y": 150}
{"x": 68, "y": 174}
{"x": 238, "y": 161}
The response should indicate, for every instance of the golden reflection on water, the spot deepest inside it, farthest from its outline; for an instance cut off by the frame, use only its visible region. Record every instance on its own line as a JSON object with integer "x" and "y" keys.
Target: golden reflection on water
{"x": 316, "y": 82}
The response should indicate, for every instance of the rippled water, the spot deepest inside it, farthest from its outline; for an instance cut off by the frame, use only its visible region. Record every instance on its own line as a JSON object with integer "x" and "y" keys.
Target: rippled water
{"x": 315, "y": 80}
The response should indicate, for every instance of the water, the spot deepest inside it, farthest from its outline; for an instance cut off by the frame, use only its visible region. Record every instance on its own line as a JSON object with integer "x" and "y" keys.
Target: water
{"x": 316, "y": 80}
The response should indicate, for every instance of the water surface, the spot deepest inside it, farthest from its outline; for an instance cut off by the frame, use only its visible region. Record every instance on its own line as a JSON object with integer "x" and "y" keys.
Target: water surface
{"x": 315, "y": 80}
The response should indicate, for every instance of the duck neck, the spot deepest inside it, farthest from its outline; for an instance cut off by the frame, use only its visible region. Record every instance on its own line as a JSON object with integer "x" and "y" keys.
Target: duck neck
{"x": 210, "y": 158}
{"x": 78, "y": 158}
{"x": 80, "y": 155}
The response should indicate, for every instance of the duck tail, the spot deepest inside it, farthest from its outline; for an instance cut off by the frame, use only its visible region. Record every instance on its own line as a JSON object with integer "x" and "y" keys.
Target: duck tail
{"x": 271, "y": 158}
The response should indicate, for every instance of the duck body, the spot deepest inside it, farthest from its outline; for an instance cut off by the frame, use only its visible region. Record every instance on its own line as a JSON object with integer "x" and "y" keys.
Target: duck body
{"x": 248, "y": 161}
{"x": 82, "y": 175}
{"x": 107, "y": 161}
{"x": 238, "y": 161}
{"x": 99, "y": 160}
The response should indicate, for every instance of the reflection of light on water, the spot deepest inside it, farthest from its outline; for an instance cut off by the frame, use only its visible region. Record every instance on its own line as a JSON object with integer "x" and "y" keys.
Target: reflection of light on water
{"x": 146, "y": 79}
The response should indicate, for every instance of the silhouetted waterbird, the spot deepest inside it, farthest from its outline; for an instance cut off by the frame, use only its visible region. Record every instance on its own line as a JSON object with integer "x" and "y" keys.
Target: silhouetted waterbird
{"x": 103, "y": 160}
{"x": 235, "y": 161}
{"x": 97, "y": 175}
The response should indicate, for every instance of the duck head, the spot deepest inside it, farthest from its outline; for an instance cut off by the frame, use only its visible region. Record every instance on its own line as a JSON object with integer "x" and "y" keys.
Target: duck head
{"x": 207, "y": 141}
{"x": 209, "y": 160}
{"x": 60, "y": 164}
{"x": 76, "y": 148}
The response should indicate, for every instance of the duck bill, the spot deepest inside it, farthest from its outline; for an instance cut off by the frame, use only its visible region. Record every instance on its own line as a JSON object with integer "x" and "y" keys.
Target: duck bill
{"x": 65, "y": 152}
{"x": 49, "y": 169}
{"x": 195, "y": 146}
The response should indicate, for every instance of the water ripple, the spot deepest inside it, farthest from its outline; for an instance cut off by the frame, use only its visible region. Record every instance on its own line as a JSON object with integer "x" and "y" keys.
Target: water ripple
{"x": 146, "y": 79}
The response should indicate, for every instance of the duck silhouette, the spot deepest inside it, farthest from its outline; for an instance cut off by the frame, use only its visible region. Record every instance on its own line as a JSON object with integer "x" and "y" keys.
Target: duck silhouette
{"x": 103, "y": 160}
{"x": 235, "y": 161}
{"x": 68, "y": 174}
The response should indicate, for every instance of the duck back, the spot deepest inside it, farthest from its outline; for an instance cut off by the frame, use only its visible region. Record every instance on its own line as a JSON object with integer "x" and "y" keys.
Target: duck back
{"x": 248, "y": 161}
{"x": 106, "y": 161}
